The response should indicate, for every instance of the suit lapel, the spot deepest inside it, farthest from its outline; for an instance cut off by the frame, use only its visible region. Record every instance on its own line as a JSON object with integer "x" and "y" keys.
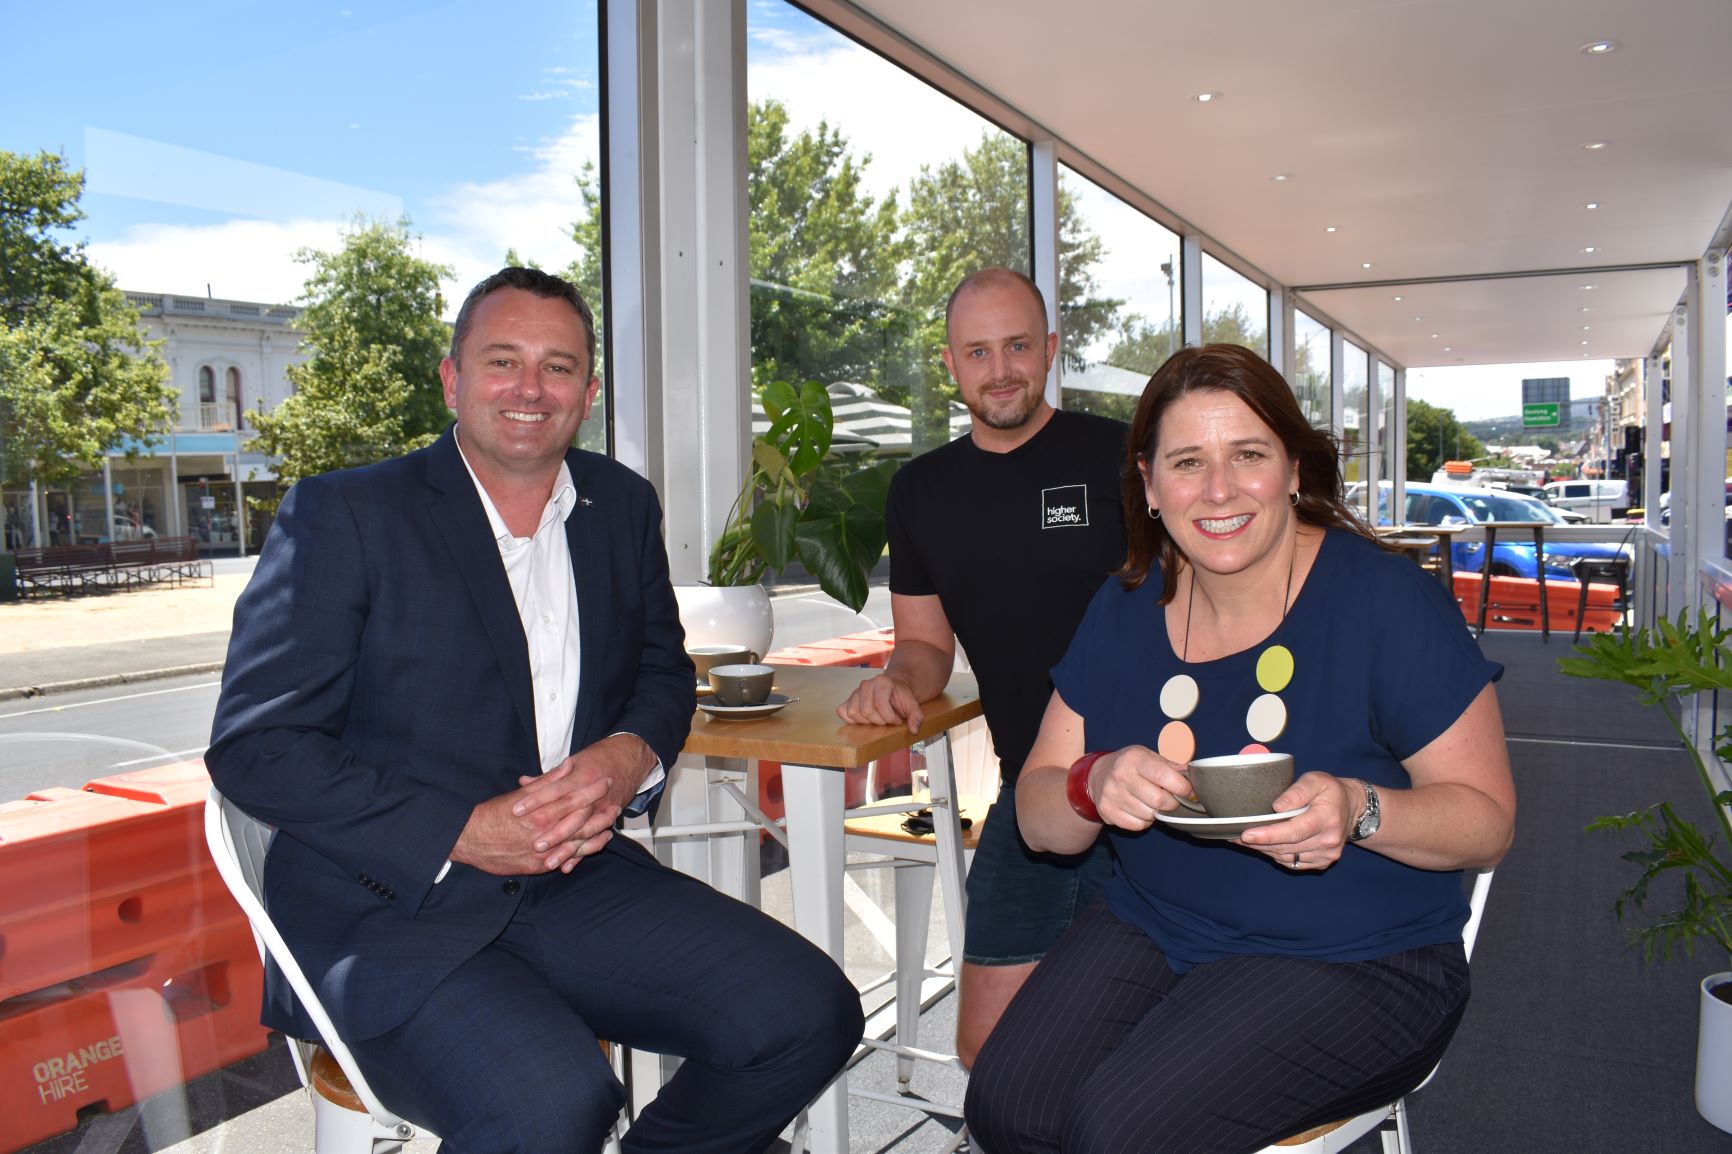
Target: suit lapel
{"x": 589, "y": 571}
{"x": 457, "y": 514}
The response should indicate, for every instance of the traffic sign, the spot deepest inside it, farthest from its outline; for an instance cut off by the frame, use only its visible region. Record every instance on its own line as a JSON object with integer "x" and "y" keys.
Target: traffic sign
{"x": 1539, "y": 415}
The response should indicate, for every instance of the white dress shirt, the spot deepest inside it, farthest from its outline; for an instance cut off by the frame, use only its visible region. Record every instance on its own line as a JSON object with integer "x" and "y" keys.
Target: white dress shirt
{"x": 538, "y": 568}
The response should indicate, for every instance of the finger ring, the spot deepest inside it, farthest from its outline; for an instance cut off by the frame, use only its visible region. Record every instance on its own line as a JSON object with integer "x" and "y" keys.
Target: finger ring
{"x": 1295, "y": 862}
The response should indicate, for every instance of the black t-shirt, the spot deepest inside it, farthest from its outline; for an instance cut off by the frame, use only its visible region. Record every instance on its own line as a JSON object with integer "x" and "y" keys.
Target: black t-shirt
{"x": 1014, "y": 545}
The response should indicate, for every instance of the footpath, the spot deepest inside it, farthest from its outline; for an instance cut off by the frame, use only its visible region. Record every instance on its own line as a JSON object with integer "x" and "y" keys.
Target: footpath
{"x": 58, "y": 644}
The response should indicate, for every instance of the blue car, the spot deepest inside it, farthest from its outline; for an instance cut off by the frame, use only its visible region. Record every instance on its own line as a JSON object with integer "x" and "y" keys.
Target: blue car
{"x": 1461, "y": 505}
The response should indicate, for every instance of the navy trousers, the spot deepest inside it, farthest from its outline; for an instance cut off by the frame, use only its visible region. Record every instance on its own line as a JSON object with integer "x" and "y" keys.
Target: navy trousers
{"x": 1106, "y": 1049}
{"x": 503, "y": 1056}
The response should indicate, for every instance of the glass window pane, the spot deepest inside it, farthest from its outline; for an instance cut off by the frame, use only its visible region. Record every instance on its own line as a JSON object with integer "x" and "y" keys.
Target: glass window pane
{"x": 1311, "y": 367}
{"x": 1119, "y": 307}
{"x": 1385, "y": 439}
{"x": 235, "y": 165}
{"x": 1235, "y": 310}
{"x": 862, "y": 225}
{"x": 1353, "y": 423}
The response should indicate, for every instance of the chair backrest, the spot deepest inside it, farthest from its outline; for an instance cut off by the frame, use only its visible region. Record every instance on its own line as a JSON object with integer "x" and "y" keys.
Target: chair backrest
{"x": 238, "y": 843}
{"x": 1476, "y": 908}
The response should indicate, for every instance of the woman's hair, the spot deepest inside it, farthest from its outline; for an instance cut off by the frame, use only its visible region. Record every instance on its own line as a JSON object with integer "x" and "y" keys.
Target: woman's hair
{"x": 1241, "y": 372}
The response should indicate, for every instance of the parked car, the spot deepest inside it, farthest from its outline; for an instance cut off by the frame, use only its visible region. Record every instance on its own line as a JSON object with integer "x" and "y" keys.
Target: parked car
{"x": 1601, "y": 501}
{"x": 1462, "y": 505}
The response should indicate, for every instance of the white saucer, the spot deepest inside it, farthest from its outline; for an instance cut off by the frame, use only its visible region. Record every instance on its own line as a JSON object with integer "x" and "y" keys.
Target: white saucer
{"x": 774, "y": 702}
{"x": 1222, "y": 827}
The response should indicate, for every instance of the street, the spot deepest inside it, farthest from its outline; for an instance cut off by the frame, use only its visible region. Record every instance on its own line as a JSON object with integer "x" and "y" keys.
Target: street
{"x": 68, "y": 739}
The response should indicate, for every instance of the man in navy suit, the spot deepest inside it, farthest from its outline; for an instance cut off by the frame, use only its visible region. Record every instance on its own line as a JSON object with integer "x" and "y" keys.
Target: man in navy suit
{"x": 449, "y": 676}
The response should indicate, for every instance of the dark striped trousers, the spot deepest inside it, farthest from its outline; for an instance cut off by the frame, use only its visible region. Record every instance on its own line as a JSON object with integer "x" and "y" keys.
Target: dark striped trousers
{"x": 1107, "y": 1050}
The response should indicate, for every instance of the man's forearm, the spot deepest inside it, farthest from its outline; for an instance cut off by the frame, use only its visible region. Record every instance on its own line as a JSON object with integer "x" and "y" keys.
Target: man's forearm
{"x": 923, "y": 668}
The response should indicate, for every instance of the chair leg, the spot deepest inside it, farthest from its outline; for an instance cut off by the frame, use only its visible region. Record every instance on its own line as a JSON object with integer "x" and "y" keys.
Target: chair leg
{"x": 1403, "y": 1137}
{"x": 913, "y": 903}
{"x": 1581, "y": 608}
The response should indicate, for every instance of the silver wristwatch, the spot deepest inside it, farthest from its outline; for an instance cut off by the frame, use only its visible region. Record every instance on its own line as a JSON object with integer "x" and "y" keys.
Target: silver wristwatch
{"x": 1371, "y": 818}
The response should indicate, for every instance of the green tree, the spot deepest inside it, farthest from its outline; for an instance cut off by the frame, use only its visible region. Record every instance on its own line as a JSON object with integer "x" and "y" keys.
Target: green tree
{"x": 77, "y": 376}
{"x": 369, "y": 388}
{"x": 970, "y": 213}
{"x": 1433, "y": 437}
{"x": 824, "y": 259}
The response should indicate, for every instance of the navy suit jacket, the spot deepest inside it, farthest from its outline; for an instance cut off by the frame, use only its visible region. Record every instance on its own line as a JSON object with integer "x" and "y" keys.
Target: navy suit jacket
{"x": 378, "y": 688}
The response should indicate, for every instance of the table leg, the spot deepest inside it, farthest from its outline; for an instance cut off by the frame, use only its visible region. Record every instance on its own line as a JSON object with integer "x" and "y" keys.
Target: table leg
{"x": 1540, "y": 566}
{"x": 814, "y": 798}
{"x": 946, "y": 824}
{"x": 1485, "y": 579}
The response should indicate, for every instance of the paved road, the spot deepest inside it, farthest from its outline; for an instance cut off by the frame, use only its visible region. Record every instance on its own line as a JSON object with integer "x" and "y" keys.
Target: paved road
{"x": 67, "y": 739}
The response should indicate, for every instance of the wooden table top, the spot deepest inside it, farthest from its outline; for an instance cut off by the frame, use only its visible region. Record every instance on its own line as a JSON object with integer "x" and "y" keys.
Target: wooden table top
{"x": 1436, "y": 530}
{"x": 808, "y": 732}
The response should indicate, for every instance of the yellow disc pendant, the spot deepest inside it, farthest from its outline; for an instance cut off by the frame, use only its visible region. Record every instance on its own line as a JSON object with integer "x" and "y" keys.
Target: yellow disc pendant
{"x": 1275, "y": 669}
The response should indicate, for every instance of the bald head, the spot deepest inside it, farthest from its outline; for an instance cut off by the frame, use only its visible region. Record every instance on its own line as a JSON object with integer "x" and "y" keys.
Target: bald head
{"x": 990, "y": 278}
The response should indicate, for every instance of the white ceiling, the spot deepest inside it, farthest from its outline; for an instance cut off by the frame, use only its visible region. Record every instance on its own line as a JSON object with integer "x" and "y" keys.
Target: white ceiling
{"x": 1442, "y": 138}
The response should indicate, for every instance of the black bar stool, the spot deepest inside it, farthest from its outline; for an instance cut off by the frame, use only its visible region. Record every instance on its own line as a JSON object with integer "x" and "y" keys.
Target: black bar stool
{"x": 1604, "y": 571}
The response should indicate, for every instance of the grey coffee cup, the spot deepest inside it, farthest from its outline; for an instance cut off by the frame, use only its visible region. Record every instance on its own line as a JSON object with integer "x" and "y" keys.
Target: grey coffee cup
{"x": 741, "y": 684}
{"x": 707, "y": 657}
{"x": 1241, "y": 784}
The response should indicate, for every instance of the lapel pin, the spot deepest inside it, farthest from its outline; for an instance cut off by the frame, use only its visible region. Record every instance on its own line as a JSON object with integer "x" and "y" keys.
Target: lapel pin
{"x": 585, "y": 502}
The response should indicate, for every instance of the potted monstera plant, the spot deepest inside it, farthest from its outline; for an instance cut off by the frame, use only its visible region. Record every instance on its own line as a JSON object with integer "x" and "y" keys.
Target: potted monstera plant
{"x": 1693, "y": 868}
{"x": 795, "y": 503}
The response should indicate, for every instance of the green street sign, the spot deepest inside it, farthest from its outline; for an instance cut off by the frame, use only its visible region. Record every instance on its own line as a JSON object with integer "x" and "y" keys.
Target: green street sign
{"x": 1539, "y": 415}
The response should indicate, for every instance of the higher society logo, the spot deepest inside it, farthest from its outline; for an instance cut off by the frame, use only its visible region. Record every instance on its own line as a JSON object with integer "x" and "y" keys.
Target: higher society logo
{"x": 1064, "y": 506}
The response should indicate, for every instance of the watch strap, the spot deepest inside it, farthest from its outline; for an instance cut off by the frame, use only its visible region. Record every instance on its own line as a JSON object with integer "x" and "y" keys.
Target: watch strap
{"x": 1372, "y": 818}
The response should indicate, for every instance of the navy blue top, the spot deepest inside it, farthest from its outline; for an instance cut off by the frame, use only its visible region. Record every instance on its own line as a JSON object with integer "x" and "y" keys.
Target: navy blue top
{"x": 1383, "y": 664}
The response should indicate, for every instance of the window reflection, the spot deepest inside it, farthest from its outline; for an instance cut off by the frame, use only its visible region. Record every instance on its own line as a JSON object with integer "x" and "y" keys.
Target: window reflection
{"x": 1311, "y": 367}
{"x": 1119, "y": 275}
{"x": 860, "y": 227}
{"x": 1235, "y": 310}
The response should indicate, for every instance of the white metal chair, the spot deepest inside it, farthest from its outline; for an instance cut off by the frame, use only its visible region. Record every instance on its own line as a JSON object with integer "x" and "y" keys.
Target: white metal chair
{"x": 348, "y": 1117}
{"x": 1391, "y": 1120}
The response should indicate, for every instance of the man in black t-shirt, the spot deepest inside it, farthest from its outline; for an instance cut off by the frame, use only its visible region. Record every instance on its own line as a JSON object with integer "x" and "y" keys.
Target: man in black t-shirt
{"x": 999, "y": 540}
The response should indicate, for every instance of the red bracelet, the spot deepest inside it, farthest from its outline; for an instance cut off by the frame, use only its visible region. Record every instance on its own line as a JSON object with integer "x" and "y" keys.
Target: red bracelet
{"x": 1076, "y": 786}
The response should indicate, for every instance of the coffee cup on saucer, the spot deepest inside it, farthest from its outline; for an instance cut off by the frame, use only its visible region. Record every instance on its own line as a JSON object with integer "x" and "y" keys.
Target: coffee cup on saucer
{"x": 741, "y": 683}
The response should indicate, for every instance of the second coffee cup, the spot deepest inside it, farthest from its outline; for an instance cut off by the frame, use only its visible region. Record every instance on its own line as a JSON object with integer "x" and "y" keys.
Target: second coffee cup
{"x": 741, "y": 684}
{"x": 707, "y": 657}
{"x": 1241, "y": 784}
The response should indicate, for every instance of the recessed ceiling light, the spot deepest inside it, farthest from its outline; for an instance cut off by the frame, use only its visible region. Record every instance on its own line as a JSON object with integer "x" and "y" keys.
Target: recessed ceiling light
{"x": 1364, "y": 264}
{"x": 1595, "y": 145}
{"x": 1280, "y": 177}
{"x": 1586, "y": 328}
{"x": 1599, "y": 48}
{"x": 1591, "y": 248}
{"x": 1584, "y": 309}
{"x": 1589, "y": 287}
{"x": 1591, "y": 205}
{"x": 1206, "y": 97}
{"x": 1584, "y": 342}
{"x": 1434, "y": 336}
{"x": 1447, "y": 349}
{"x": 1330, "y": 228}
{"x": 1397, "y": 298}
{"x": 1418, "y": 318}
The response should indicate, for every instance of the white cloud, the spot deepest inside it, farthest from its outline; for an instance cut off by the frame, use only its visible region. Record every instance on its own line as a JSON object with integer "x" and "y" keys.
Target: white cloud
{"x": 900, "y": 121}
{"x": 468, "y": 226}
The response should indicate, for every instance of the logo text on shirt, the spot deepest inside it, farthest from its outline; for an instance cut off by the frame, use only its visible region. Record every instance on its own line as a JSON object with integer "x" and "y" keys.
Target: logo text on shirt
{"x": 1064, "y": 506}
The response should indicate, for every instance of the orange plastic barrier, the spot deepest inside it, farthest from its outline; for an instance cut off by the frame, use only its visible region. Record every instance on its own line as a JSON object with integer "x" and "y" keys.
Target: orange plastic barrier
{"x": 125, "y": 966}
{"x": 1515, "y": 603}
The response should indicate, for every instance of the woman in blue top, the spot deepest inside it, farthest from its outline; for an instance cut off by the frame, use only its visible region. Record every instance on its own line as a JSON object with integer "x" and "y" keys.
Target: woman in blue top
{"x": 1228, "y": 994}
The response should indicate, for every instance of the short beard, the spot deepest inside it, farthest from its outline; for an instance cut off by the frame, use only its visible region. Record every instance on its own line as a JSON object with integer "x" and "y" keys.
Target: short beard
{"x": 1011, "y": 419}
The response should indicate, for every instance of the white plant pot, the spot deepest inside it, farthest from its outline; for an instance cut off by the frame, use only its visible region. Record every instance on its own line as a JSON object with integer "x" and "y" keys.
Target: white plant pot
{"x": 1714, "y": 1056}
{"x": 726, "y": 615}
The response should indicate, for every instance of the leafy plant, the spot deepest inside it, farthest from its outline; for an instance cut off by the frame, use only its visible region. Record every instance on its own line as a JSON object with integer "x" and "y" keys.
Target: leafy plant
{"x": 795, "y": 504}
{"x": 1677, "y": 658}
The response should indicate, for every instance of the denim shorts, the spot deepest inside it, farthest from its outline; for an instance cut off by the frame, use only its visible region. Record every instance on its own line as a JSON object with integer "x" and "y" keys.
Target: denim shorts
{"x": 1020, "y": 901}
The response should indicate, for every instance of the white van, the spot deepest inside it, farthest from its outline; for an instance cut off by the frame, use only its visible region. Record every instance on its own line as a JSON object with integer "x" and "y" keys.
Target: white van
{"x": 1599, "y": 501}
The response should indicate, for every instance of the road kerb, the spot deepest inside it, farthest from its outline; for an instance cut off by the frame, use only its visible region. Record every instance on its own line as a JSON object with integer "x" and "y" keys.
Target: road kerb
{"x": 51, "y": 687}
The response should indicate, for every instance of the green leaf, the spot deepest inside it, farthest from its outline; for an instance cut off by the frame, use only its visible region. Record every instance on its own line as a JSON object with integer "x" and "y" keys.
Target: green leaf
{"x": 841, "y": 535}
{"x": 773, "y": 524}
